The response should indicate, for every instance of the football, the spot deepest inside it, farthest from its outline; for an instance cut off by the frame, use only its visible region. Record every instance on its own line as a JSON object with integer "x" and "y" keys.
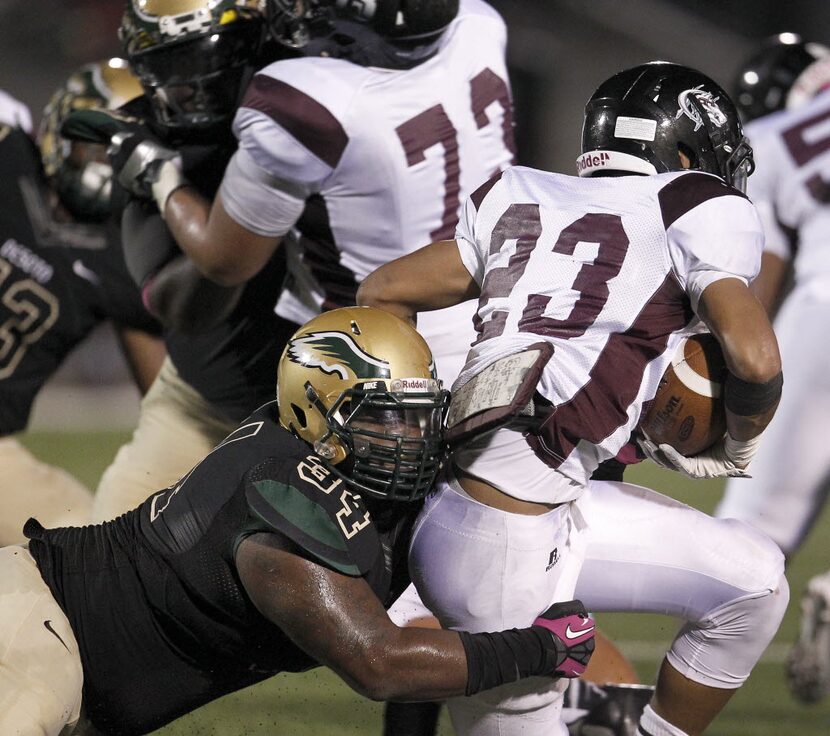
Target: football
{"x": 688, "y": 412}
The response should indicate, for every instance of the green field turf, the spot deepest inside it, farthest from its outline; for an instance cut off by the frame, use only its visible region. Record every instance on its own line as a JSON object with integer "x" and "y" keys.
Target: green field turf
{"x": 318, "y": 704}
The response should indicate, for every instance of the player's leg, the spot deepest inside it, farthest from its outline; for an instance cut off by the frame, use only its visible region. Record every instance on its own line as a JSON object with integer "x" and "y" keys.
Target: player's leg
{"x": 648, "y": 553}
{"x": 29, "y": 487}
{"x": 176, "y": 429}
{"x": 41, "y": 677}
{"x": 808, "y": 663}
{"x": 483, "y": 569}
{"x": 791, "y": 472}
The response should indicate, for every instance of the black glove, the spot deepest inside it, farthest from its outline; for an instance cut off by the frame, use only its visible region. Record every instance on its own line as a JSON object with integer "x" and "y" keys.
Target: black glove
{"x": 572, "y": 637}
{"x": 143, "y": 165}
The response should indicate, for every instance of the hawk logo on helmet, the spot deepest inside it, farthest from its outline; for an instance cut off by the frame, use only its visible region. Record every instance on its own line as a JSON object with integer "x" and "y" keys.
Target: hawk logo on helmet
{"x": 706, "y": 100}
{"x": 336, "y": 352}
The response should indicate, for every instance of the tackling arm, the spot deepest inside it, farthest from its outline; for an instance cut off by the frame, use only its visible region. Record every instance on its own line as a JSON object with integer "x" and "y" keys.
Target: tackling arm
{"x": 340, "y": 622}
{"x": 432, "y": 277}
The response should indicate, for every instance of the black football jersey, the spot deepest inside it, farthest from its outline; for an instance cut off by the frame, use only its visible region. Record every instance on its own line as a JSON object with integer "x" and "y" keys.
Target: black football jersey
{"x": 58, "y": 280}
{"x": 233, "y": 365}
{"x": 161, "y": 618}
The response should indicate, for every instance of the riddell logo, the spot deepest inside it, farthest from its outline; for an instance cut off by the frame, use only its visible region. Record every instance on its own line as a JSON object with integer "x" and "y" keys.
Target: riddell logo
{"x": 414, "y": 384}
{"x": 591, "y": 161}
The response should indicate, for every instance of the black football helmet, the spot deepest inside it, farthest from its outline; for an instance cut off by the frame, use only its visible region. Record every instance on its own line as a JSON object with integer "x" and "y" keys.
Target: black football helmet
{"x": 642, "y": 119}
{"x": 785, "y": 72}
{"x": 194, "y": 57}
{"x": 341, "y": 28}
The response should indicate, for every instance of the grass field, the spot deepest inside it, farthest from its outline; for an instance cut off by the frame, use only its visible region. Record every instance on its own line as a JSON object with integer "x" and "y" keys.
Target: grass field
{"x": 318, "y": 704}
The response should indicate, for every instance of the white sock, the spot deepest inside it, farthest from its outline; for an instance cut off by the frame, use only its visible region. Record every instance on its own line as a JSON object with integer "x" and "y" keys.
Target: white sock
{"x": 653, "y": 725}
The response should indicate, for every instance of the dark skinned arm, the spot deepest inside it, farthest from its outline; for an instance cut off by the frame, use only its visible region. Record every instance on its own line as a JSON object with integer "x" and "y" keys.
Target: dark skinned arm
{"x": 144, "y": 354}
{"x": 768, "y": 285}
{"x": 222, "y": 249}
{"x": 184, "y": 300}
{"x": 432, "y": 277}
{"x": 340, "y": 622}
{"x": 739, "y": 322}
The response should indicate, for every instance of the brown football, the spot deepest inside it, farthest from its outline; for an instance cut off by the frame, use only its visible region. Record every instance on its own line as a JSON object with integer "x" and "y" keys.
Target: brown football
{"x": 687, "y": 411}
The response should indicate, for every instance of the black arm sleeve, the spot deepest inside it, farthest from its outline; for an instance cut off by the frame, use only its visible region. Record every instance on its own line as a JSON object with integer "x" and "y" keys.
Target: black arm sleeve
{"x": 148, "y": 244}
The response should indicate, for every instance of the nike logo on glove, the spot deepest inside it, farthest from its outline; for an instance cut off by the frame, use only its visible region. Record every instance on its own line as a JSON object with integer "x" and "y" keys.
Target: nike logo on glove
{"x": 571, "y": 634}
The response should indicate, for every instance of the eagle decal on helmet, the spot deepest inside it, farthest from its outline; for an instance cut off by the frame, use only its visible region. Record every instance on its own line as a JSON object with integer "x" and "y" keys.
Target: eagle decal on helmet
{"x": 336, "y": 352}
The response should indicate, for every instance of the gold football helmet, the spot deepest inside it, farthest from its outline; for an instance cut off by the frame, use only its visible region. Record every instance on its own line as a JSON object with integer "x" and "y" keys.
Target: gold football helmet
{"x": 81, "y": 172}
{"x": 359, "y": 385}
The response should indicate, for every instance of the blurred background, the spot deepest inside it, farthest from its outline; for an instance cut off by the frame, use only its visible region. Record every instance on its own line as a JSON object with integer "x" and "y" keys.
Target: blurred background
{"x": 559, "y": 51}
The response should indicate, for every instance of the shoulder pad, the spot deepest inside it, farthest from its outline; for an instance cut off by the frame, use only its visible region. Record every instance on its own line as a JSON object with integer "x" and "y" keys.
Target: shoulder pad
{"x": 304, "y": 501}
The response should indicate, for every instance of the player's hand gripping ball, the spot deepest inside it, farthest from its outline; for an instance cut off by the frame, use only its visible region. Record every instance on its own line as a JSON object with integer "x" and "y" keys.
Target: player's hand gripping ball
{"x": 688, "y": 410}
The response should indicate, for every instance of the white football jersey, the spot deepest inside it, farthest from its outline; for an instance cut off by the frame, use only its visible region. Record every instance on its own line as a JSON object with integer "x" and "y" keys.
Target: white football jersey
{"x": 369, "y": 163}
{"x": 14, "y": 113}
{"x": 609, "y": 271}
{"x": 791, "y": 187}
{"x": 360, "y": 165}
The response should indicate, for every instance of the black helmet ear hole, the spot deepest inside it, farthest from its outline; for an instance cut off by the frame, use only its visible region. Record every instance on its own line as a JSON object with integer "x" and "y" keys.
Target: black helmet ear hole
{"x": 300, "y": 416}
{"x": 689, "y": 153}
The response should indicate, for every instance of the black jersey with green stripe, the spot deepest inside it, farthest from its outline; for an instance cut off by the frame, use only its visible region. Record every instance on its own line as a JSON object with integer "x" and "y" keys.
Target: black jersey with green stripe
{"x": 162, "y": 620}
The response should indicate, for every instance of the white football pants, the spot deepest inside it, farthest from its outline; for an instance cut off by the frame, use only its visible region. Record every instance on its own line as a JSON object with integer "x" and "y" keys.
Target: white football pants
{"x": 618, "y": 548}
{"x": 791, "y": 472}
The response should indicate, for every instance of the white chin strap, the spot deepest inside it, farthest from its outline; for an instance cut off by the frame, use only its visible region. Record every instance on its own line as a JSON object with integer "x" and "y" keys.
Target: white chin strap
{"x": 592, "y": 161}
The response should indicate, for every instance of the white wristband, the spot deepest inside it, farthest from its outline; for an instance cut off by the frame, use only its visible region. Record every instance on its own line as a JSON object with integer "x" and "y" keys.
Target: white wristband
{"x": 169, "y": 179}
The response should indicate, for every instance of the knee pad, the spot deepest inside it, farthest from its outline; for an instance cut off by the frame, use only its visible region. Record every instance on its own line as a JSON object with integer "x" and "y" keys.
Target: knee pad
{"x": 721, "y": 650}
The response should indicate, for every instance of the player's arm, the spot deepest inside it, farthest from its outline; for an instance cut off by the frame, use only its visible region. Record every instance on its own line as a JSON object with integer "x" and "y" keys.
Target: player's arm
{"x": 222, "y": 249}
{"x": 739, "y": 322}
{"x": 339, "y": 621}
{"x": 172, "y": 288}
{"x": 433, "y": 277}
{"x": 768, "y": 285}
{"x": 144, "y": 354}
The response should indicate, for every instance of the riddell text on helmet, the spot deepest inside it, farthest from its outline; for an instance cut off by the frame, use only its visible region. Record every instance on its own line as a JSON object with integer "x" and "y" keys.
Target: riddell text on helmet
{"x": 591, "y": 161}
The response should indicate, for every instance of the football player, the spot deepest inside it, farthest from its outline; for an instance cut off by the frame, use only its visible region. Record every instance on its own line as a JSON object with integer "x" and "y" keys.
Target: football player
{"x": 61, "y": 274}
{"x": 586, "y": 286}
{"x": 223, "y": 344}
{"x": 276, "y": 553}
{"x": 780, "y": 91}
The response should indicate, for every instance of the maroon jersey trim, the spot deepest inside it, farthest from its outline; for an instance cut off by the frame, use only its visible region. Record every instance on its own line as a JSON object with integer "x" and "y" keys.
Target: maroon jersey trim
{"x": 686, "y": 192}
{"x": 600, "y": 406}
{"x": 477, "y": 197}
{"x": 302, "y": 116}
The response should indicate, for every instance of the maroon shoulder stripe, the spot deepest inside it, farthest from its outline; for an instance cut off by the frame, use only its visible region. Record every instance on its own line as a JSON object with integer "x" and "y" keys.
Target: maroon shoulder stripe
{"x": 600, "y": 407}
{"x": 688, "y": 191}
{"x": 479, "y": 194}
{"x": 302, "y": 116}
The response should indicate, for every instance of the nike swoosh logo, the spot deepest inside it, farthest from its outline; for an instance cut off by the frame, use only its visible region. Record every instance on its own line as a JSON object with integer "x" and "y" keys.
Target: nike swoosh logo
{"x": 48, "y": 624}
{"x": 79, "y": 269}
{"x": 571, "y": 634}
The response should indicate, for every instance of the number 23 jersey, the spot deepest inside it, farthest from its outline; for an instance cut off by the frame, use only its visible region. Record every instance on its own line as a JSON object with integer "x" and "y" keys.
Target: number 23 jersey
{"x": 369, "y": 163}
{"x": 609, "y": 272}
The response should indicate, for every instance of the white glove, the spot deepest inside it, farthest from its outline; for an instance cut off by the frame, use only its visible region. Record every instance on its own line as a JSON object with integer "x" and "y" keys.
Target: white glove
{"x": 727, "y": 457}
